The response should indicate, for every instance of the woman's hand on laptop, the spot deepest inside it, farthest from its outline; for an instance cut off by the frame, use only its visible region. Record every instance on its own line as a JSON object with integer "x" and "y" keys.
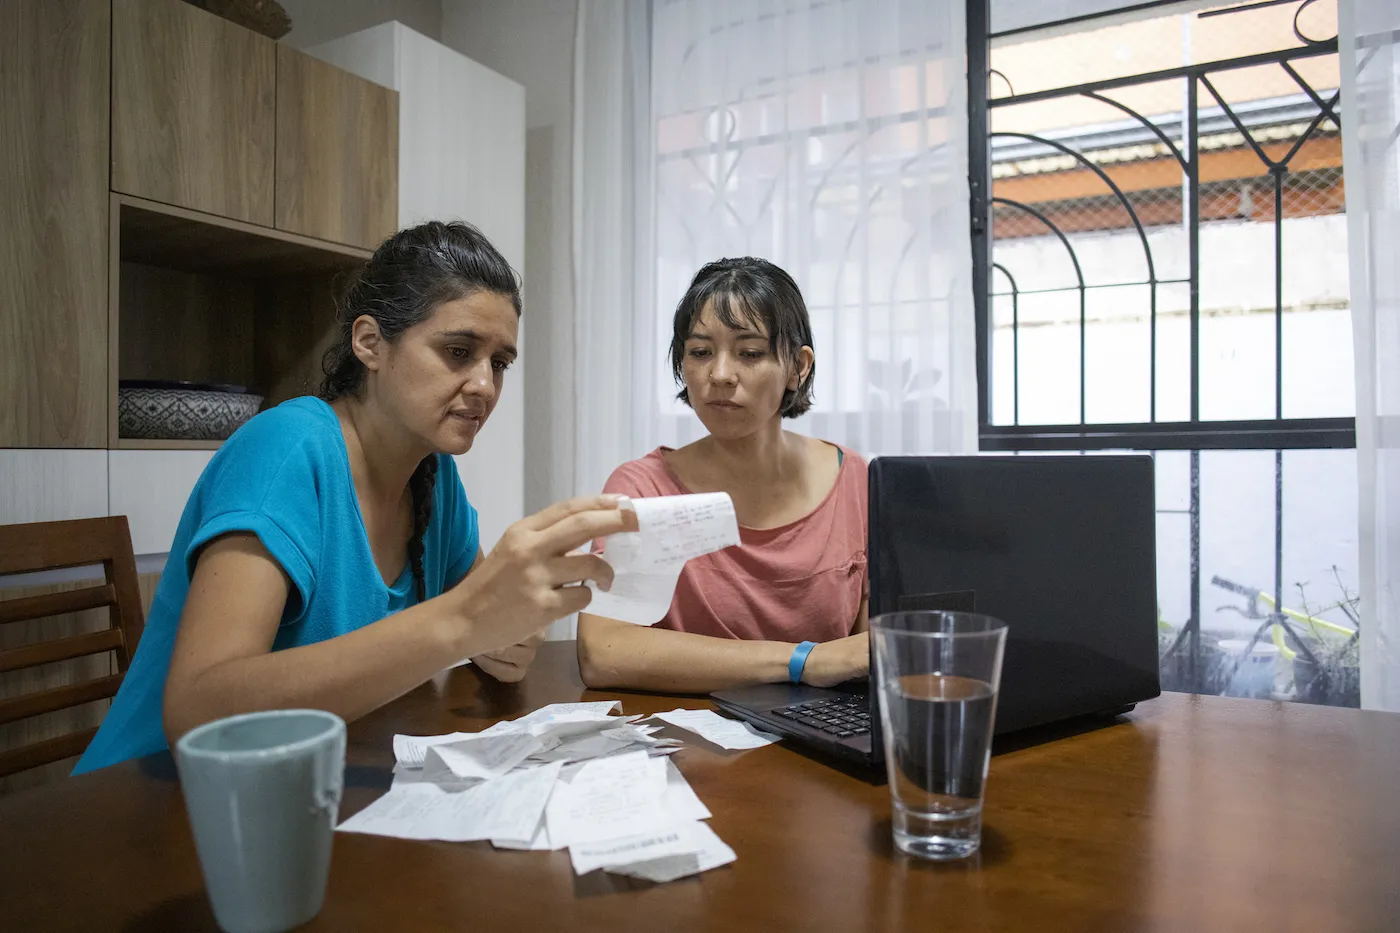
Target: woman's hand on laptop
{"x": 835, "y": 662}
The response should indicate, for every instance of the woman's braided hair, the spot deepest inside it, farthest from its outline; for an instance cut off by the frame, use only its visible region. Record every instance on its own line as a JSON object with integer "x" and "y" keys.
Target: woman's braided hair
{"x": 407, "y": 278}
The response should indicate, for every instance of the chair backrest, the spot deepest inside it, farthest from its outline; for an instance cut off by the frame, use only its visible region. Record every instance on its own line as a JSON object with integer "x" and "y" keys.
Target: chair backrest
{"x": 55, "y": 546}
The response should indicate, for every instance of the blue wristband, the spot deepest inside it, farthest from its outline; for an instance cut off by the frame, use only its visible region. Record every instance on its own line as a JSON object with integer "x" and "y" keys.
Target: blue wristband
{"x": 799, "y": 660}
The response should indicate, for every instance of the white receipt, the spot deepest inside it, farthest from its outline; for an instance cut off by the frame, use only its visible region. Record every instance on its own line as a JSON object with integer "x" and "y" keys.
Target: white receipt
{"x": 539, "y": 842}
{"x": 410, "y": 750}
{"x": 597, "y": 711}
{"x": 558, "y": 721}
{"x": 609, "y": 798}
{"x": 584, "y": 747}
{"x": 631, "y": 732}
{"x": 680, "y": 800}
{"x": 636, "y": 597}
{"x": 506, "y": 808}
{"x": 709, "y": 725}
{"x": 568, "y": 775}
{"x": 709, "y": 852}
{"x": 564, "y": 729}
{"x": 673, "y": 529}
{"x": 440, "y": 776}
{"x": 664, "y": 750}
{"x": 647, "y": 563}
{"x": 486, "y": 756}
{"x": 645, "y": 847}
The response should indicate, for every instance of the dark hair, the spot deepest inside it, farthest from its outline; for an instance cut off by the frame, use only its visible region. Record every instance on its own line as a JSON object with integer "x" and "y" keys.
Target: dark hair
{"x": 749, "y": 291}
{"x": 404, "y": 282}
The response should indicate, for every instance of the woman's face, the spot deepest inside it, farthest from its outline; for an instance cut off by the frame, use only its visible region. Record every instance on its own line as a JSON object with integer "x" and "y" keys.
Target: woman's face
{"x": 733, "y": 378}
{"x": 442, "y": 378}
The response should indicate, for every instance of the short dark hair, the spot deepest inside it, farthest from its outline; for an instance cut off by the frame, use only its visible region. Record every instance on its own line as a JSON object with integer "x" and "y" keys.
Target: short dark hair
{"x": 748, "y": 291}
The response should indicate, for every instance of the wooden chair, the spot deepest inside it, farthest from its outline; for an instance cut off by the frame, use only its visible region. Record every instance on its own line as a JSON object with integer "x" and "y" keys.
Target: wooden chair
{"x": 54, "y": 546}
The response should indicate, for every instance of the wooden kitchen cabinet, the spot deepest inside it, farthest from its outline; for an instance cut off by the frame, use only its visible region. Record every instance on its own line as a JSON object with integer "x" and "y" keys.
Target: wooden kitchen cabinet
{"x": 181, "y": 197}
{"x": 54, "y": 69}
{"x": 205, "y": 299}
{"x": 193, "y": 110}
{"x": 337, "y": 152}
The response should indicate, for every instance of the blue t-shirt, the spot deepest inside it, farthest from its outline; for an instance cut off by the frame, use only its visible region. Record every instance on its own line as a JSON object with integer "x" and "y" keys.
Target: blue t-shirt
{"x": 285, "y": 476}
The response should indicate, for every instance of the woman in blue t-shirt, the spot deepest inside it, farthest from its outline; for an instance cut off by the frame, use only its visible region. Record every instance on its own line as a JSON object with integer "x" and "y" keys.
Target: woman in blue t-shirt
{"x": 328, "y": 556}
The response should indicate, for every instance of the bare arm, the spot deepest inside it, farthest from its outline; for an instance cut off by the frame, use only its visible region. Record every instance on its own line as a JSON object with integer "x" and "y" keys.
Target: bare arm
{"x": 618, "y": 654}
{"x": 223, "y": 661}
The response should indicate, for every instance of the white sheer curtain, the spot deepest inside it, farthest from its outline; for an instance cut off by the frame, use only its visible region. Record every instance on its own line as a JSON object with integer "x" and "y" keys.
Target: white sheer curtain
{"x": 1370, "y": 53}
{"x": 612, "y": 236}
{"x": 829, "y": 136}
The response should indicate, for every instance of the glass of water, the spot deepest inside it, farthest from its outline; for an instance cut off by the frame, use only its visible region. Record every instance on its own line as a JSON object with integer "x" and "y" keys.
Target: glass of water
{"x": 937, "y": 674}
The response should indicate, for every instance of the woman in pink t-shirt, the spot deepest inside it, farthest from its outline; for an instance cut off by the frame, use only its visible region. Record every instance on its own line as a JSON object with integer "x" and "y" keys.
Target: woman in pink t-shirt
{"x": 741, "y": 348}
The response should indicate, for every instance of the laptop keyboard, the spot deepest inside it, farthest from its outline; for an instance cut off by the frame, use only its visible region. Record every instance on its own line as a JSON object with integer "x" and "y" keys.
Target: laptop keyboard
{"x": 841, "y": 716}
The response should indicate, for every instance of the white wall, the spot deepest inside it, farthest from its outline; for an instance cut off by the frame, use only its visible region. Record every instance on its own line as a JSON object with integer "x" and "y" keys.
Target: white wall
{"x": 533, "y": 43}
{"x": 317, "y": 21}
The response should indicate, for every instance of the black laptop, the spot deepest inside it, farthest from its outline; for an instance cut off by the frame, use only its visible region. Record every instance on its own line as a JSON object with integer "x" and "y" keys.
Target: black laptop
{"x": 1061, "y": 548}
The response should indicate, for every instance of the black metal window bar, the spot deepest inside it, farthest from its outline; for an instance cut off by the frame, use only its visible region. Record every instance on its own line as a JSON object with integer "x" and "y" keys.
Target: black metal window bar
{"x": 1194, "y": 435}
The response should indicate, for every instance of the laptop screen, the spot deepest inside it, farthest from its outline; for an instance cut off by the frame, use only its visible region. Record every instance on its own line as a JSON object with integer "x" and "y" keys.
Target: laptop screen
{"x": 1061, "y": 548}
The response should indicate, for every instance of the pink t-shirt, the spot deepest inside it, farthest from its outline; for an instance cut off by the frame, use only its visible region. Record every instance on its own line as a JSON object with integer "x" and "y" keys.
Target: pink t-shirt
{"x": 804, "y": 581}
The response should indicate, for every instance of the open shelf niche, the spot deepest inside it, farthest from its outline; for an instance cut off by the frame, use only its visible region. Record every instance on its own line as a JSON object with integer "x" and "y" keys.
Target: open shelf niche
{"x": 199, "y": 298}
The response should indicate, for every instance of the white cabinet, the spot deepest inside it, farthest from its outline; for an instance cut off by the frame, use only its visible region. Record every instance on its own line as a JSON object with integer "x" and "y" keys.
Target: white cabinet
{"x": 461, "y": 156}
{"x": 52, "y": 485}
{"x": 150, "y": 487}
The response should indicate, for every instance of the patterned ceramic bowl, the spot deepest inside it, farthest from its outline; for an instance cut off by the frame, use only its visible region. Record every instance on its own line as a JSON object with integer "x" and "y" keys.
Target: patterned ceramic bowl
{"x": 182, "y": 411}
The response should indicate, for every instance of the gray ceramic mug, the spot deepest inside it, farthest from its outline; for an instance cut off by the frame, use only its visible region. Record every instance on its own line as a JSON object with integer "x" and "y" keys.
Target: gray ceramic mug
{"x": 263, "y": 792}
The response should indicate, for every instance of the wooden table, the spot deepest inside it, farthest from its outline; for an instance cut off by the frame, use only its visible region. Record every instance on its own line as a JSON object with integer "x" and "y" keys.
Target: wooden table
{"x": 1193, "y": 814}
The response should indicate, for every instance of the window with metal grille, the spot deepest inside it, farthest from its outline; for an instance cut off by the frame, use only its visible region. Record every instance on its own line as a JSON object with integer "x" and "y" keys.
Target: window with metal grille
{"x": 1161, "y": 265}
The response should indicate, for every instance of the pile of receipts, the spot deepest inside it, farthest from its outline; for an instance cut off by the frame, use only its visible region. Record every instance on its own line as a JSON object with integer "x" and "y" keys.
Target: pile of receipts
{"x": 572, "y": 775}
{"x": 569, "y": 775}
